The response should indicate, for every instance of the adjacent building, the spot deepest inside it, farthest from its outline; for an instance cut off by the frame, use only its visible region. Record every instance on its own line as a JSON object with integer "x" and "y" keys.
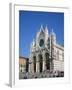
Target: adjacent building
{"x": 23, "y": 66}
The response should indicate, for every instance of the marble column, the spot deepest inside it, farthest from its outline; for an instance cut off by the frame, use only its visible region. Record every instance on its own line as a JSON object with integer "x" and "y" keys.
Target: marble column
{"x": 37, "y": 63}
{"x": 31, "y": 66}
{"x": 44, "y": 62}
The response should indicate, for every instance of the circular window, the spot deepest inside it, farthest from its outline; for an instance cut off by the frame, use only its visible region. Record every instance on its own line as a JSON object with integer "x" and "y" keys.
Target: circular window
{"x": 41, "y": 42}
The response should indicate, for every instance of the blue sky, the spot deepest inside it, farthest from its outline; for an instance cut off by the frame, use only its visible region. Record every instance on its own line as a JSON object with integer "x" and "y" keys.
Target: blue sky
{"x": 29, "y": 25}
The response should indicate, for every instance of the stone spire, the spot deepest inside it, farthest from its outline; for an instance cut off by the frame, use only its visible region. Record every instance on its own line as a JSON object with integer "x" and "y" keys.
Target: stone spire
{"x": 40, "y": 31}
{"x": 41, "y": 28}
{"x": 46, "y": 36}
{"x": 53, "y": 36}
{"x": 46, "y": 32}
{"x": 33, "y": 44}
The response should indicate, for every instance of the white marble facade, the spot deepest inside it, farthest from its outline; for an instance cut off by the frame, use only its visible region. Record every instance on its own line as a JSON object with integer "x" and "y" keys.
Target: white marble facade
{"x": 45, "y": 53}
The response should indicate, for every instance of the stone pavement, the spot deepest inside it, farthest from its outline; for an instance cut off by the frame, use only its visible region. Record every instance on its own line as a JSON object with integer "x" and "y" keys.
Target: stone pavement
{"x": 44, "y": 74}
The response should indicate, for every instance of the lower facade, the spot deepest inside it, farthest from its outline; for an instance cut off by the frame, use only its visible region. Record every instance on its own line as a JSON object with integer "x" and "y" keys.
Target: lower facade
{"x": 42, "y": 69}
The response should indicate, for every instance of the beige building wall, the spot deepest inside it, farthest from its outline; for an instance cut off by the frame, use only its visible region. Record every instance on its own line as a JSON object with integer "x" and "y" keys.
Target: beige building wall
{"x": 22, "y": 64}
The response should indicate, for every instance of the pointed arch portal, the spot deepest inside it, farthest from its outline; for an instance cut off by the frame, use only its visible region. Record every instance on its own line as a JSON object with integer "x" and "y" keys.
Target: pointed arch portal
{"x": 40, "y": 63}
{"x": 47, "y": 61}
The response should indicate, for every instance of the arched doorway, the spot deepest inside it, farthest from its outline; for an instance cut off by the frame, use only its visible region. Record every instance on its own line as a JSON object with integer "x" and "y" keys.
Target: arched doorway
{"x": 47, "y": 61}
{"x": 34, "y": 63}
{"x": 40, "y": 63}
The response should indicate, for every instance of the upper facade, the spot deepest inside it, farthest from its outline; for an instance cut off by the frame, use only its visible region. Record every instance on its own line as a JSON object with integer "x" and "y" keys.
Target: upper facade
{"x": 45, "y": 41}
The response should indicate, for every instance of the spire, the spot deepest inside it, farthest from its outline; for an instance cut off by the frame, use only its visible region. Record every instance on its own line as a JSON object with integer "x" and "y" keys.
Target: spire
{"x": 32, "y": 46}
{"x": 41, "y": 29}
{"x": 52, "y": 30}
{"x": 53, "y": 36}
{"x": 33, "y": 43}
{"x": 46, "y": 31}
{"x": 52, "y": 33}
{"x": 46, "y": 36}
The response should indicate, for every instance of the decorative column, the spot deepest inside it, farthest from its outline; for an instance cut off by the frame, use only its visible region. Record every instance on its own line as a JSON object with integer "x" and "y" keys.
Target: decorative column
{"x": 37, "y": 63}
{"x": 31, "y": 68}
{"x": 29, "y": 64}
{"x": 44, "y": 62}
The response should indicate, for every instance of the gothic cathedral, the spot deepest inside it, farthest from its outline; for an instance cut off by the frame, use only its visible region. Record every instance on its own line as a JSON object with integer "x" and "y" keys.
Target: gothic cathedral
{"x": 46, "y": 55}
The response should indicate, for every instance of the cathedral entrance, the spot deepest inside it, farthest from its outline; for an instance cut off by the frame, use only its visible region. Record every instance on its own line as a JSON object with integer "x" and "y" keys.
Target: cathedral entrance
{"x": 40, "y": 63}
{"x": 47, "y": 61}
{"x": 34, "y": 63}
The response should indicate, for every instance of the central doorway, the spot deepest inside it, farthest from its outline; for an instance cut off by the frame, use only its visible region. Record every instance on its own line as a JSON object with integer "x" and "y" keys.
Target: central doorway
{"x": 47, "y": 61}
{"x": 40, "y": 63}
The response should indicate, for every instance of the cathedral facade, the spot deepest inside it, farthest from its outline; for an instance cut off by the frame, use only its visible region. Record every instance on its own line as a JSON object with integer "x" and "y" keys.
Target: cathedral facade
{"x": 45, "y": 54}
{"x": 46, "y": 57}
